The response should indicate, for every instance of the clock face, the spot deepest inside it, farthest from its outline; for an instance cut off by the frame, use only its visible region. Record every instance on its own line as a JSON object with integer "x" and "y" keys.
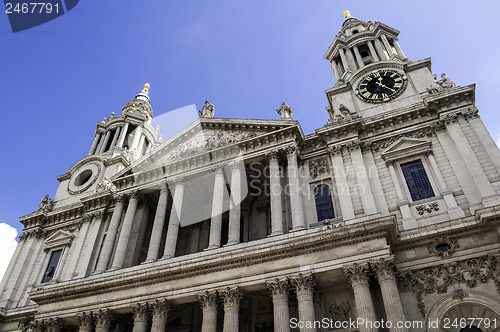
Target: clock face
{"x": 381, "y": 86}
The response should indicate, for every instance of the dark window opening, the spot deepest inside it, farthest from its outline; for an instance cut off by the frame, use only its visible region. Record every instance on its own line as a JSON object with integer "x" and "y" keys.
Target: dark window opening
{"x": 324, "y": 205}
{"x": 83, "y": 177}
{"x": 364, "y": 51}
{"x": 355, "y": 32}
{"x": 51, "y": 268}
{"x": 110, "y": 140}
{"x": 443, "y": 247}
{"x": 129, "y": 136}
{"x": 417, "y": 180}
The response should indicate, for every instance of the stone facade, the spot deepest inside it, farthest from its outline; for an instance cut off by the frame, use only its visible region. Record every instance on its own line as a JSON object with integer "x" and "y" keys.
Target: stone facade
{"x": 389, "y": 213}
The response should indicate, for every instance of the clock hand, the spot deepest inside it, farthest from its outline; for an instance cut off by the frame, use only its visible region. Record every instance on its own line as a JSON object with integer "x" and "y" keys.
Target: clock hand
{"x": 384, "y": 86}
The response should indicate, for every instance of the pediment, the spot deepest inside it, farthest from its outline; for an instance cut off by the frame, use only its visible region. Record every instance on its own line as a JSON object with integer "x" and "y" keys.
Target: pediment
{"x": 405, "y": 147}
{"x": 58, "y": 239}
{"x": 205, "y": 135}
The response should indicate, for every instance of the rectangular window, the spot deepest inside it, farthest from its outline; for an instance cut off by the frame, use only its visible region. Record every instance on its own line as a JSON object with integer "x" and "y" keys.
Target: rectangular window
{"x": 51, "y": 269}
{"x": 417, "y": 180}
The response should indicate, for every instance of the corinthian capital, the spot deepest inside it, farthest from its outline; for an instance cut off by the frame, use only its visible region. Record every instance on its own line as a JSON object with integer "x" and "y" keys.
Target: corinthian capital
{"x": 85, "y": 320}
{"x": 278, "y": 286}
{"x": 141, "y": 312}
{"x": 384, "y": 268}
{"x": 102, "y": 318}
{"x": 161, "y": 308}
{"x": 303, "y": 283}
{"x": 231, "y": 296}
{"x": 208, "y": 299}
{"x": 356, "y": 273}
{"x": 272, "y": 154}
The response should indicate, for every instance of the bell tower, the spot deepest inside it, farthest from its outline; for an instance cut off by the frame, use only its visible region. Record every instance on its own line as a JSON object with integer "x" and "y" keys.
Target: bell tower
{"x": 372, "y": 71}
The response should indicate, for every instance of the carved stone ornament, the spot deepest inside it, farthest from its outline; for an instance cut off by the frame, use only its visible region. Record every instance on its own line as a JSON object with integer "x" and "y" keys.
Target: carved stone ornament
{"x": 272, "y": 154}
{"x": 443, "y": 246}
{"x": 425, "y": 132}
{"x": 334, "y": 150}
{"x": 444, "y": 83}
{"x": 55, "y": 325}
{"x": 278, "y": 287}
{"x": 285, "y": 111}
{"x": 160, "y": 308}
{"x": 46, "y": 205}
{"x": 427, "y": 208}
{"x": 356, "y": 273}
{"x": 318, "y": 168}
{"x": 102, "y": 318}
{"x": 206, "y": 141}
{"x": 437, "y": 279}
{"x": 471, "y": 114}
{"x": 303, "y": 283}
{"x": 207, "y": 111}
{"x": 341, "y": 312}
{"x": 384, "y": 268}
{"x": 231, "y": 296}
{"x": 141, "y": 312}
{"x": 85, "y": 320}
{"x": 208, "y": 299}
{"x": 105, "y": 185}
{"x": 138, "y": 106}
{"x": 459, "y": 294}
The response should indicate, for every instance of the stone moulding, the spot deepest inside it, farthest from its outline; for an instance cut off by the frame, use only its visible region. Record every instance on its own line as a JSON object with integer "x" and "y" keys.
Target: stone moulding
{"x": 309, "y": 242}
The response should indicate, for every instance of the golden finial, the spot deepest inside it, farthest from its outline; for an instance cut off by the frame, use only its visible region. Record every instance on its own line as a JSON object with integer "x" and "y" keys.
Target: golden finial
{"x": 146, "y": 88}
{"x": 346, "y": 14}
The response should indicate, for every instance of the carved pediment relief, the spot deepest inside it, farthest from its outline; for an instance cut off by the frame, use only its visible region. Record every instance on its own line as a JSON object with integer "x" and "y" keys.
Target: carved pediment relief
{"x": 405, "y": 147}
{"x": 58, "y": 239}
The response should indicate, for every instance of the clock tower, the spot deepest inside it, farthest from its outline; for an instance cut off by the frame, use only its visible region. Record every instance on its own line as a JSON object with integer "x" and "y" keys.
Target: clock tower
{"x": 373, "y": 74}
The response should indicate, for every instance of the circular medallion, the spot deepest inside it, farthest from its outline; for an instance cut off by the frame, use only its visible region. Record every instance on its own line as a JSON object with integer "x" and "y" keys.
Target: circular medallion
{"x": 83, "y": 178}
{"x": 381, "y": 86}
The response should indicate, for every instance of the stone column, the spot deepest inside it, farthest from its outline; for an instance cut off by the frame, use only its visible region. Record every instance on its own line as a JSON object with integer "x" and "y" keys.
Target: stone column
{"x": 386, "y": 45}
{"x": 55, "y": 325}
{"x": 358, "y": 57}
{"x": 344, "y": 60}
{"x": 372, "y": 51}
{"x": 408, "y": 219}
{"x": 390, "y": 294}
{"x": 174, "y": 220}
{"x": 350, "y": 59}
{"x": 141, "y": 144}
{"x": 375, "y": 182}
{"x": 484, "y": 137}
{"x": 141, "y": 316}
{"x": 160, "y": 311}
{"x": 235, "y": 203}
{"x": 298, "y": 221}
{"x": 304, "y": 287}
{"x": 473, "y": 165}
{"x": 454, "y": 211}
{"x": 335, "y": 70}
{"x": 279, "y": 292}
{"x": 381, "y": 50}
{"x": 357, "y": 275}
{"x": 158, "y": 224}
{"x": 364, "y": 186}
{"x": 115, "y": 137}
{"x": 231, "y": 298}
{"x": 275, "y": 191}
{"x": 217, "y": 209}
{"x": 102, "y": 320}
{"x": 107, "y": 246}
{"x": 70, "y": 270}
{"x": 208, "y": 302}
{"x": 343, "y": 191}
{"x": 94, "y": 144}
{"x": 123, "y": 135}
{"x": 128, "y": 221}
{"x": 105, "y": 142}
{"x": 398, "y": 48}
{"x": 85, "y": 322}
{"x": 136, "y": 138}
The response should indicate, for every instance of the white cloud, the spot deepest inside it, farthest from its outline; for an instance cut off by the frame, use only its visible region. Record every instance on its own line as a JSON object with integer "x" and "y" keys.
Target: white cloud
{"x": 8, "y": 244}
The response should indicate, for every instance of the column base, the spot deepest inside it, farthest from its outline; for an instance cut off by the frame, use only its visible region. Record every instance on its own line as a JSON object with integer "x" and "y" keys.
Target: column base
{"x": 166, "y": 257}
{"x": 211, "y": 248}
{"x": 231, "y": 244}
{"x": 298, "y": 228}
{"x": 147, "y": 261}
{"x": 275, "y": 234}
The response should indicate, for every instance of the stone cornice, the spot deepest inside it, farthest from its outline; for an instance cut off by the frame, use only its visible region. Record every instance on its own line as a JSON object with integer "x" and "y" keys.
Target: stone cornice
{"x": 288, "y": 246}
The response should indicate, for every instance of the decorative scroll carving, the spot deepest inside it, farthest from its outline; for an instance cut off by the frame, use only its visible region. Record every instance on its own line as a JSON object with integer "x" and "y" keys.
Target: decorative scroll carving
{"x": 55, "y": 325}
{"x": 334, "y": 150}
{"x": 384, "y": 268}
{"x": 303, "y": 283}
{"x": 103, "y": 318}
{"x": 429, "y": 208}
{"x": 437, "y": 279}
{"x": 318, "y": 168}
{"x": 471, "y": 114}
{"x": 207, "y": 111}
{"x": 285, "y": 111}
{"x": 106, "y": 185}
{"x": 46, "y": 205}
{"x": 341, "y": 312}
{"x": 356, "y": 273}
{"x": 439, "y": 243}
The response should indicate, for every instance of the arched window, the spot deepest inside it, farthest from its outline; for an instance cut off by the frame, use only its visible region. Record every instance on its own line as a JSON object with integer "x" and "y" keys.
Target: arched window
{"x": 324, "y": 205}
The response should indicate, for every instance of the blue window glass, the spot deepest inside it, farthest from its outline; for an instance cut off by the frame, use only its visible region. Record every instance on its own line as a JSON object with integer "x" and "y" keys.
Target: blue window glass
{"x": 324, "y": 205}
{"x": 417, "y": 180}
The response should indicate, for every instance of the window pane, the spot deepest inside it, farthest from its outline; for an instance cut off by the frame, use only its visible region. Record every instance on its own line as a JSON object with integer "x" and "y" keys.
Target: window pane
{"x": 417, "y": 180}
{"x": 54, "y": 259}
{"x": 324, "y": 205}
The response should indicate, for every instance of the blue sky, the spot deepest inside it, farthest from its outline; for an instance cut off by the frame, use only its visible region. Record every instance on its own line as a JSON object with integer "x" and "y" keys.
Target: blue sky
{"x": 62, "y": 77}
